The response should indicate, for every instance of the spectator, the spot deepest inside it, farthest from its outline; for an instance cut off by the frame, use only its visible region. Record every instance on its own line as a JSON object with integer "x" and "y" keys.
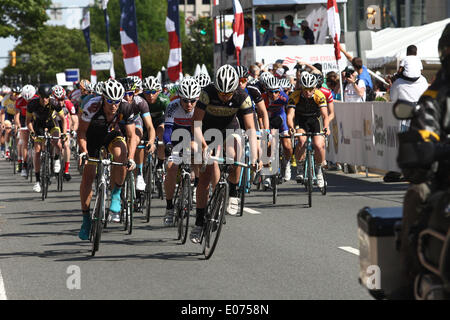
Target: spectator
{"x": 308, "y": 34}
{"x": 248, "y": 35}
{"x": 360, "y": 68}
{"x": 278, "y": 71}
{"x": 332, "y": 81}
{"x": 354, "y": 87}
{"x": 280, "y": 36}
{"x": 410, "y": 68}
{"x": 254, "y": 71}
{"x": 289, "y": 21}
{"x": 294, "y": 38}
{"x": 268, "y": 34}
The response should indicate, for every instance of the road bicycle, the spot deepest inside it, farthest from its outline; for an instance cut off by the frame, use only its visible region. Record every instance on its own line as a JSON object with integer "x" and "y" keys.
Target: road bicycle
{"x": 128, "y": 196}
{"x": 215, "y": 209}
{"x": 309, "y": 176}
{"x": 46, "y": 163}
{"x": 244, "y": 184}
{"x": 99, "y": 215}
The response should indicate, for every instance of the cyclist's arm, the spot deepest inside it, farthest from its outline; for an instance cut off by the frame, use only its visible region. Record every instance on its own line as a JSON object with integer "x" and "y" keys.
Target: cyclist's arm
{"x": 63, "y": 121}
{"x": 30, "y": 122}
{"x": 197, "y": 119}
{"x": 2, "y": 115}
{"x": 290, "y": 115}
{"x": 81, "y": 136}
{"x": 326, "y": 122}
{"x": 131, "y": 141}
{"x": 263, "y": 115}
{"x": 17, "y": 117}
{"x": 330, "y": 107}
{"x": 150, "y": 129}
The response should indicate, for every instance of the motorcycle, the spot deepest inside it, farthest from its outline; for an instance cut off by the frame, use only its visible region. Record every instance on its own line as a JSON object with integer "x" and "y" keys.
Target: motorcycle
{"x": 382, "y": 263}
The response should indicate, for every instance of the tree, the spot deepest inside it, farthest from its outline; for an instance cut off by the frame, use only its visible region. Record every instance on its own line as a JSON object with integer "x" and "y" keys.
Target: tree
{"x": 52, "y": 50}
{"x": 198, "y": 47}
{"x": 21, "y": 17}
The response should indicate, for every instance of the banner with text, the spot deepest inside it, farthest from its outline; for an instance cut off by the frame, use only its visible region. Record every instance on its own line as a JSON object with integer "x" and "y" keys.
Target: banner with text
{"x": 364, "y": 134}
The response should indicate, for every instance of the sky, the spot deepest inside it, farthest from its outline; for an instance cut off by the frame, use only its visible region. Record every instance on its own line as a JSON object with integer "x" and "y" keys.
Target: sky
{"x": 70, "y": 18}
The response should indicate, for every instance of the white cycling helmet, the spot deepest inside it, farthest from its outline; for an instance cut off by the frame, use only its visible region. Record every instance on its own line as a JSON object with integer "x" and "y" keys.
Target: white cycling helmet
{"x": 58, "y": 92}
{"x": 151, "y": 83}
{"x": 285, "y": 84}
{"x": 189, "y": 88}
{"x": 271, "y": 83}
{"x": 227, "y": 79}
{"x": 203, "y": 79}
{"x": 99, "y": 88}
{"x": 28, "y": 92}
{"x": 137, "y": 82}
{"x": 6, "y": 89}
{"x": 308, "y": 80}
{"x": 263, "y": 76}
{"x": 113, "y": 90}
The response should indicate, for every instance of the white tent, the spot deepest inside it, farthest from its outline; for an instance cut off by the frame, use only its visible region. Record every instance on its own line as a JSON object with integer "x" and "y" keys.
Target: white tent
{"x": 391, "y": 43}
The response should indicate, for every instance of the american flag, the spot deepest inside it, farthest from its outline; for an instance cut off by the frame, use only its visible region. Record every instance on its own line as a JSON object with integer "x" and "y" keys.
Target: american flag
{"x": 174, "y": 65}
{"x": 129, "y": 38}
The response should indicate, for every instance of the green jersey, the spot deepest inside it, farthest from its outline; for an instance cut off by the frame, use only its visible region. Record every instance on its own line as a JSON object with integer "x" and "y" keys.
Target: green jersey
{"x": 158, "y": 108}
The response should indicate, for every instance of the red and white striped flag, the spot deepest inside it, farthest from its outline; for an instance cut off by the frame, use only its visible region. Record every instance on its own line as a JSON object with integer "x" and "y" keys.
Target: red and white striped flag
{"x": 174, "y": 65}
{"x": 238, "y": 28}
{"x": 129, "y": 38}
{"x": 334, "y": 25}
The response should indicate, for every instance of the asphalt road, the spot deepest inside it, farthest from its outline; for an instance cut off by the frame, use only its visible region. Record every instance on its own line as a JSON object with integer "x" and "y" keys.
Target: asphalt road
{"x": 273, "y": 252}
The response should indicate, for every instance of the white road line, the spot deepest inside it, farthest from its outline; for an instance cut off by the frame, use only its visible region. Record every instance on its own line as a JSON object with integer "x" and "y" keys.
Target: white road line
{"x": 251, "y": 211}
{"x": 2, "y": 288}
{"x": 351, "y": 250}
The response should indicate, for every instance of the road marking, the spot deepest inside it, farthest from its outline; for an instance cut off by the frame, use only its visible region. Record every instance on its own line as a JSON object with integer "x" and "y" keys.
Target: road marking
{"x": 351, "y": 250}
{"x": 2, "y": 288}
{"x": 251, "y": 211}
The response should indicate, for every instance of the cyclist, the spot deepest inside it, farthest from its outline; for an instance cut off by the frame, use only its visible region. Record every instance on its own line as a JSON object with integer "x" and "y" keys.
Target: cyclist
{"x": 99, "y": 88}
{"x": 43, "y": 114}
{"x": 28, "y": 93}
{"x": 287, "y": 86}
{"x": 157, "y": 104}
{"x": 306, "y": 106}
{"x": 277, "y": 101}
{"x": 178, "y": 117}
{"x": 142, "y": 117}
{"x": 216, "y": 109}
{"x": 71, "y": 118}
{"x": 7, "y": 113}
{"x": 99, "y": 126}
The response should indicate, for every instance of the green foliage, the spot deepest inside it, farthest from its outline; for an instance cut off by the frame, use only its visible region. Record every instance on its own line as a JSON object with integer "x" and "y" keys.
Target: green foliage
{"x": 198, "y": 47}
{"x": 51, "y": 51}
{"x": 19, "y": 18}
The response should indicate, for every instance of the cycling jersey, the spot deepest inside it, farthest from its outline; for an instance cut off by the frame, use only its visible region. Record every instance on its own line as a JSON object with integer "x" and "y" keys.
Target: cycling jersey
{"x": 140, "y": 107}
{"x": 85, "y": 99}
{"x": 9, "y": 105}
{"x": 100, "y": 131}
{"x": 327, "y": 93}
{"x": 307, "y": 107}
{"x": 42, "y": 113}
{"x": 21, "y": 105}
{"x": 176, "y": 118}
{"x": 219, "y": 114}
{"x": 158, "y": 108}
{"x": 254, "y": 93}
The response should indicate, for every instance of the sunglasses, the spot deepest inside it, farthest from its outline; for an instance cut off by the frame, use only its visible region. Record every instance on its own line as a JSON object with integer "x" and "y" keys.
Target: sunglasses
{"x": 189, "y": 100}
{"x": 62, "y": 99}
{"x": 150, "y": 91}
{"x": 113, "y": 101}
{"x": 227, "y": 95}
{"x": 129, "y": 93}
{"x": 274, "y": 91}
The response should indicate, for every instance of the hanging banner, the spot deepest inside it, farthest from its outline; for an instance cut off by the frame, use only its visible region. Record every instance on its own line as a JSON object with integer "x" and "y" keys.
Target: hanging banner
{"x": 102, "y": 61}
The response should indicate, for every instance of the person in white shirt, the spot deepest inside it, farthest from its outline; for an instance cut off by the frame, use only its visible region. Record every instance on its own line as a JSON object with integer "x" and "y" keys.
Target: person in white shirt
{"x": 354, "y": 88}
{"x": 410, "y": 67}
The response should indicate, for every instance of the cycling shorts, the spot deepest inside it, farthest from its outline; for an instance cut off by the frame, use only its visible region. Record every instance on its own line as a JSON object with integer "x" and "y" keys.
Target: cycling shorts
{"x": 279, "y": 121}
{"x": 94, "y": 143}
{"x": 309, "y": 124}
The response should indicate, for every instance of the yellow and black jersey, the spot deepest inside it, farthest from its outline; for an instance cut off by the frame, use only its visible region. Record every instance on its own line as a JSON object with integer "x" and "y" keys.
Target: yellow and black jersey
{"x": 219, "y": 114}
{"x": 307, "y": 107}
{"x": 42, "y": 113}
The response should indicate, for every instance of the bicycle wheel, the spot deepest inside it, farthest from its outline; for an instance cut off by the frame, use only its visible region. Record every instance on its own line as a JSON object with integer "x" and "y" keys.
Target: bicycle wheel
{"x": 184, "y": 209}
{"x": 130, "y": 201}
{"x": 324, "y": 188}
{"x": 97, "y": 216}
{"x": 148, "y": 189}
{"x": 215, "y": 216}
{"x": 44, "y": 174}
{"x": 60, "y": 181}
{"x": 310, "y": 165}
{"x": 242, "y": 187}
{"x": 274, "y": 181}
{"x": 13, "y": 153}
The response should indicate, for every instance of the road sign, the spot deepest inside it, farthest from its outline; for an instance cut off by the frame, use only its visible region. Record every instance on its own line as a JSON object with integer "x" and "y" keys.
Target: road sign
{"x": 72, "y": 75}
{"x": 102, "y": 61}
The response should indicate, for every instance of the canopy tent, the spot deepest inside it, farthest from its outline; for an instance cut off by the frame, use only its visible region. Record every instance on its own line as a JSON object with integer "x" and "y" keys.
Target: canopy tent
{"x": 391, "y": 43}
{"x": 226, "y": 6}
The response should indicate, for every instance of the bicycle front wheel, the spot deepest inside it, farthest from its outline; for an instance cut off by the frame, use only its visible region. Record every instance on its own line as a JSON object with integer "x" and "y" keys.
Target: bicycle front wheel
{"x": 148, "y": 189}
{"x": 97, "y": 216}
{"x": 130, "y": 201}
{"x": 215, "y": 216}
{"x": 184, "y": 209}
{"x": 44, "y": 175}
{"x": 310, "y": 178}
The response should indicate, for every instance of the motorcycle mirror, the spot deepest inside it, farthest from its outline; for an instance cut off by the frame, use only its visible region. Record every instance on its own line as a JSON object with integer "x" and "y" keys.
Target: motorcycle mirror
{"x": 404, "y": 110}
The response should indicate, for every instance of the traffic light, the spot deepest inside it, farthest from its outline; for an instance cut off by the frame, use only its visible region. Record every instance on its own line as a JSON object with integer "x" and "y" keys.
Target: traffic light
{"x": 13, "y": 58}
{"x": 373, "y": 17}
